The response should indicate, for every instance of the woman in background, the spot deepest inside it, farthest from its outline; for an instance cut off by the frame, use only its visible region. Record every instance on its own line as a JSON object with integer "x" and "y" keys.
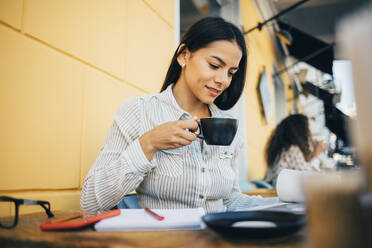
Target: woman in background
{"x": 149, "y": 147}
{"x": 292, "y": 147}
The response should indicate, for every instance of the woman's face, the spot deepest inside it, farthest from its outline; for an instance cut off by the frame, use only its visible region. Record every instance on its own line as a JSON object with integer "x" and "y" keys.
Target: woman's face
{"x": 209, "y": 70}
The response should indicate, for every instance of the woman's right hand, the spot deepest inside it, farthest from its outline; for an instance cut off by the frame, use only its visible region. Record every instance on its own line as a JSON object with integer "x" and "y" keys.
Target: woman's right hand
{"x": 169, "y": 135}
{"x": 319, "y": 147}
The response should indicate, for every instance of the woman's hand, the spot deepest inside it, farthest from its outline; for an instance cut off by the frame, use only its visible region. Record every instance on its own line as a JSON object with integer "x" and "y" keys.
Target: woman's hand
{"x": 169, "y": 135}
{"x": 319, "y": 147}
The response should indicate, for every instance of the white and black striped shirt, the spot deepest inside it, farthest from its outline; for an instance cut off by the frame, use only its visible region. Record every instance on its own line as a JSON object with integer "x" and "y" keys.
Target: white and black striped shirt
{"x": 177, "y": 178}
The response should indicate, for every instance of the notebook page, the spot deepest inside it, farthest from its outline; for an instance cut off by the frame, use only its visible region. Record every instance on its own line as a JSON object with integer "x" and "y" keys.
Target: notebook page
{"x": 139, "y": 219}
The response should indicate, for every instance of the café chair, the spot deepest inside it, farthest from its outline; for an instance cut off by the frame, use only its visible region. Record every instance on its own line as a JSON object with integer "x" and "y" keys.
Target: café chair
{"x": 246, "y": 186}
{"x": 129, "y": 201}
{"x": 261, "y": 184}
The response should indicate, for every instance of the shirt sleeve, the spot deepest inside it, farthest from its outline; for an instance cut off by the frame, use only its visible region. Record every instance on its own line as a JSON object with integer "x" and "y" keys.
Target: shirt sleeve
{"x": 236, "y": 200}
{"x": 121, "y": 164}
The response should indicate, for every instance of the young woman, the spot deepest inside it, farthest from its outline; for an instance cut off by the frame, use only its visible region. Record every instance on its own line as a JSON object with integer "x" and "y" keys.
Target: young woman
{"x": 149, "y": 147}
{"x": 291, "y": 147}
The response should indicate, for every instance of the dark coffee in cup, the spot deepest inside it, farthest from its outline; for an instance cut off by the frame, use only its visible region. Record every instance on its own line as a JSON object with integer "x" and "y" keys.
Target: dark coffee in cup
{"x": 217, "y": 131}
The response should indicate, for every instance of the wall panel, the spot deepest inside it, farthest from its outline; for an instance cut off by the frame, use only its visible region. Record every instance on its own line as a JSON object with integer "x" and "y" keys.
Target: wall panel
{"x": 94, "y": 32}
{"x": 150, "y": 47}
{"x": 165, "y": 8}
{"x": 11, "y": 12}
{"x": 41, "y": 112}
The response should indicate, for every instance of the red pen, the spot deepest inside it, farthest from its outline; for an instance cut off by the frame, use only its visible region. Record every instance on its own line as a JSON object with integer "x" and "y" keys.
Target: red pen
{"x": 153, "y": 214}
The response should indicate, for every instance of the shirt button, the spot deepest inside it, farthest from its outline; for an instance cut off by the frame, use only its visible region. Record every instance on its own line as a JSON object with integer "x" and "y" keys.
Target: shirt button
{"x": 201, "y": 196}
{"x": 202, "y": 169}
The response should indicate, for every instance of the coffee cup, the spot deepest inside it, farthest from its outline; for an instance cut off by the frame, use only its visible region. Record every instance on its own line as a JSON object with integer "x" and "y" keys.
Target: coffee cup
{"x": 217, "y": 131}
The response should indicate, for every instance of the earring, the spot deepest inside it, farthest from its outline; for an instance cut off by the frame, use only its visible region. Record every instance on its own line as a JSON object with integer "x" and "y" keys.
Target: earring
{"x": 183, "y": 65}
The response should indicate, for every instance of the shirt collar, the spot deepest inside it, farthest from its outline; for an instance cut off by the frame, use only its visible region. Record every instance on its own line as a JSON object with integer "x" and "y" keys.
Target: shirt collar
{"x": 177, "y": 112}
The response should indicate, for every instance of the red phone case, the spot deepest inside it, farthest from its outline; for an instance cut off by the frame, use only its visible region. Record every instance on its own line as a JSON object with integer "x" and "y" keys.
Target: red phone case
{"x": 73, "y": 223}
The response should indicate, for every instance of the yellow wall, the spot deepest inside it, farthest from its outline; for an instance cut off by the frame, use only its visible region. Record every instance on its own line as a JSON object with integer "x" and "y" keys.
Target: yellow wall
{"x": 261, "y": 54}
{"x": 65, "y": 67}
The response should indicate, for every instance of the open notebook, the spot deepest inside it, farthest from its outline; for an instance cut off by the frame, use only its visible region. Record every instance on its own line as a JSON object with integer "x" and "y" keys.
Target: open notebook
{"x": 139, "y": 219}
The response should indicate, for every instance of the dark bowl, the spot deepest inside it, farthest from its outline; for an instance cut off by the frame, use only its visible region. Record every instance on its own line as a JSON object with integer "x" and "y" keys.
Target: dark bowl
{"x": 285, "y": 223}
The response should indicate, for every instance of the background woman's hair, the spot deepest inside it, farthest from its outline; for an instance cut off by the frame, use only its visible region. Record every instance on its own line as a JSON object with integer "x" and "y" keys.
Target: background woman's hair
{"x": 200, "y": 35}
{"x": 293, "y": 130}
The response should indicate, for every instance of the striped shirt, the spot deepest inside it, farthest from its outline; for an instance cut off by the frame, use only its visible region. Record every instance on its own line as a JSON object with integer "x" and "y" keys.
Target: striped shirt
{"x": 185, "y": 177}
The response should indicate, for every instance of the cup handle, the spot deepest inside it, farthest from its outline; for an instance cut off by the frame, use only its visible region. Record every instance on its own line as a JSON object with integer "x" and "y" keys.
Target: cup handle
{"x": 200, "y": 134}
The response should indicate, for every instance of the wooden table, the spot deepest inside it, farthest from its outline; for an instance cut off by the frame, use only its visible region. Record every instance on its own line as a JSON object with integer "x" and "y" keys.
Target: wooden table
{"x": 262, "y": 192}
{"x": 28, "y": 234}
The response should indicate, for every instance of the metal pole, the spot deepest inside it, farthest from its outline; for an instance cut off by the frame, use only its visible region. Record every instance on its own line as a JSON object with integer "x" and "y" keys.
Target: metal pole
{"x": 285, "y": 11}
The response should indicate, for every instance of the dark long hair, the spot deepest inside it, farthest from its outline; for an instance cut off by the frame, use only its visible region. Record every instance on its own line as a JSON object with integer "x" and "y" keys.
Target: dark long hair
{"x": 293, "y": 130}
{"x": 198, "y": 36}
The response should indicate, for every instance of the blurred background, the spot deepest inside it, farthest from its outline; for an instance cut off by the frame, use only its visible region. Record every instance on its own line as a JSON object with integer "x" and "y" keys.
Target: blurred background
{"x": 67, "y": 65}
